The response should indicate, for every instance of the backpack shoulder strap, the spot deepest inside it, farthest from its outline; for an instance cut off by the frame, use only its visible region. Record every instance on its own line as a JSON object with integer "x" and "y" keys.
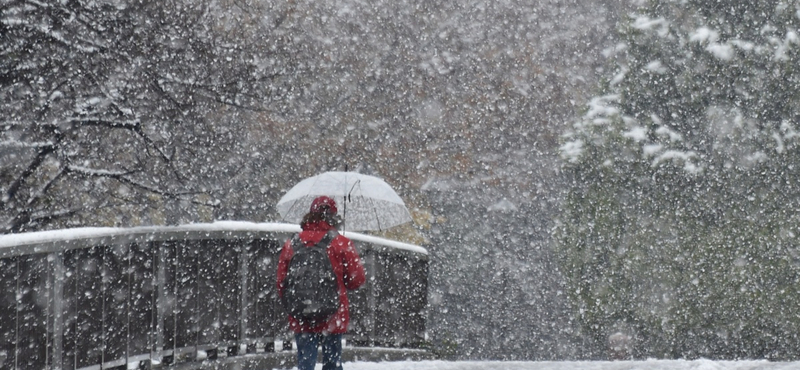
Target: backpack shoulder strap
{"x": 296, "y": 242}
{"x": 326, "y": 240}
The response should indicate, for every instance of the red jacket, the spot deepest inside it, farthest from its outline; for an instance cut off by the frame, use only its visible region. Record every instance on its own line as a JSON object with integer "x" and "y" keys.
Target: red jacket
{"x": 346, "y": 264}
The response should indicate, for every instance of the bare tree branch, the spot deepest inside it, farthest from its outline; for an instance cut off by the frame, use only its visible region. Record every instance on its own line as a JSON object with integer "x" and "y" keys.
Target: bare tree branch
{"x": 92, "y": 121}
{"x": 122, "y": 176}
{"x": 37, "y": 161}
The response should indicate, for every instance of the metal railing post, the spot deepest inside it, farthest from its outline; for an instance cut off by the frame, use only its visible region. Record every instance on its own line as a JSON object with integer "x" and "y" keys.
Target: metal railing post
{"x": 244, "y": 313}
{"x": 58, "y": 310}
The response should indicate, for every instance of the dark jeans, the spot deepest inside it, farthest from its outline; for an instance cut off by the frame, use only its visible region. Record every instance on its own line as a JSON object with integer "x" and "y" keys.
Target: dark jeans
{"x": 307, "y": 344}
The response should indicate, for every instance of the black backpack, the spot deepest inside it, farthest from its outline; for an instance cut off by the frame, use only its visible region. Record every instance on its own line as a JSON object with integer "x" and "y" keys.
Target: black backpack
{"x": 311, "y": 291}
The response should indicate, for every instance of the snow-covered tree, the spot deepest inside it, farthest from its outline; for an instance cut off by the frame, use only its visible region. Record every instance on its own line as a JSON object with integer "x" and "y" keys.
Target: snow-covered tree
{"x": 681, "y": 223}
{"x": 112, "y": 110}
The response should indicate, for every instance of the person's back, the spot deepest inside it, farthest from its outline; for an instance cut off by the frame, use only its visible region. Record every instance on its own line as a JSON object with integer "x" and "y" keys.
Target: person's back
{"x": 319, "y": 222}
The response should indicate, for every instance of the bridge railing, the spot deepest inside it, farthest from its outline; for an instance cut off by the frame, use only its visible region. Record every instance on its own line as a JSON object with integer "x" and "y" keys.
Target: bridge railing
{"x": 157, "y": 296}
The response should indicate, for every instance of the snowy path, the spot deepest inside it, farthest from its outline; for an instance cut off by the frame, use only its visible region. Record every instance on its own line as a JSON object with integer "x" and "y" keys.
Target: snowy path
{"x": 598, "y": 365}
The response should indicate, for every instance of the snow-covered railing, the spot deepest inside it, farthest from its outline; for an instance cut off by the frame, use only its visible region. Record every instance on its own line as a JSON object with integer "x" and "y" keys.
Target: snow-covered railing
{"x": 98, "y": 298}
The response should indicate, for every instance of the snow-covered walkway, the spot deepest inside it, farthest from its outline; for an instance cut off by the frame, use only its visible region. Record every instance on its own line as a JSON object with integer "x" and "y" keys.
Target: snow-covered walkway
{"x": 574, "y": 365}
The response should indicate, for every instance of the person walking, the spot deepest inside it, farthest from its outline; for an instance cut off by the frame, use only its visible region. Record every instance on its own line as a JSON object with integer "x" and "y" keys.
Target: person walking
{"x": 317, "y": 227}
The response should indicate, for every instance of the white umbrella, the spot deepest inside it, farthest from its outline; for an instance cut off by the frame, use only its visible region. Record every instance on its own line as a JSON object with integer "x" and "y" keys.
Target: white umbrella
{"x": 364, "y": 202}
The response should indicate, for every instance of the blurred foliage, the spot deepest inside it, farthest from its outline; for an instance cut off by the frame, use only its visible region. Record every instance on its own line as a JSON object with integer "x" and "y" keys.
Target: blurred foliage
{"x": 411, "y": 232}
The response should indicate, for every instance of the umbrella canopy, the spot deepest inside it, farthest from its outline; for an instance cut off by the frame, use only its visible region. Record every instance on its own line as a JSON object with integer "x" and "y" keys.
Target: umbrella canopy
{"x": 365, "y": 202}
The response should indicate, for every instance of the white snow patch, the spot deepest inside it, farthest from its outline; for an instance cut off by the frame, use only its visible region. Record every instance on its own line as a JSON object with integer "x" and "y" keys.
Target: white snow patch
{"x": 789, "y": 131}
{"x": 704, "y": 34}
{"x": 646, "y": 23}
{"x": 572, "y": 150}
{"x": 744, "y": 45}
{"x": 757, "y": 157}
{"x": 676, "y": 155}
{"x": 692, "y": 168}
{"x": 656, "y": 119}
{"x": 791, "y": 37}
{"x": 637, "y": 133}
{"x": 619, "y": 77}
{"x": 650, "y": 150}
{"x": 21, "y": 144}
{"x": 781, "y": 51}
{"x": 666, "y": 131}
{"x": 701, "y": 364}
{"x": 779, "y": 146}
{"x": 656, "y": 67}
{"x": 96, "y": 172}
{"x": 601, "y": 107}
{"x": 721, "y": 51}
{"x": 94, "y": 101}
{"x": 503, "y": 205}
{"x": 609, "y": 52}
{"x": 628, "y": 120}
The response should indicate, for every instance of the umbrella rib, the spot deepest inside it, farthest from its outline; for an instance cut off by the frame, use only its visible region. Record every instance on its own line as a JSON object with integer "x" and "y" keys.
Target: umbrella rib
{"x": 358, "y": 183}
{"x": 347, "y": 196}
{"x": 375, "y": 212}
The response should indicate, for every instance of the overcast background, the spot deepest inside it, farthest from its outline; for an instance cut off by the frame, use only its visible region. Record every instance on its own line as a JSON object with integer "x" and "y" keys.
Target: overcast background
{"x": 483, "y": 115}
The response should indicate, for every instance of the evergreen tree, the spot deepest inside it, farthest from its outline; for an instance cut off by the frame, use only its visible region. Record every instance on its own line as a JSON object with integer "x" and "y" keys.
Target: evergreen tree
{"x": 680, "y": 225}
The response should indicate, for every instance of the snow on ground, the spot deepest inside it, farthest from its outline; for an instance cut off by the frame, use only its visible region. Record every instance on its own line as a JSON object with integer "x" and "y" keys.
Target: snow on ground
{"x": 573, "y": 365}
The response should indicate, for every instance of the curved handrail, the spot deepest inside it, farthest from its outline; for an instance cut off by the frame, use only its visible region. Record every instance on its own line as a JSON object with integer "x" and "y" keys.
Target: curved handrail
{"x": 151, "y": 296}
{"x": 11, "y": 243}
